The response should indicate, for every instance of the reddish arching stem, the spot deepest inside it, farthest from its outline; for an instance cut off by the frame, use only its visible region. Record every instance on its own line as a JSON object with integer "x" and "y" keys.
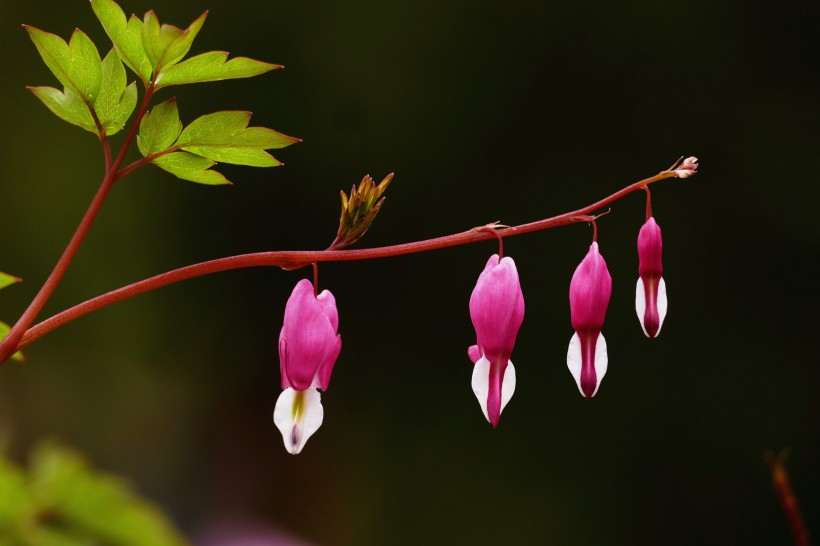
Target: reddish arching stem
{"x": 297, "y": 259}
{"x": 8, "y": 345}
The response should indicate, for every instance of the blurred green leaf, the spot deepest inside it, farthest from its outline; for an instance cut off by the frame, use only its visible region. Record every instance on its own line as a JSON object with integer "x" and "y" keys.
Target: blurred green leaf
{"x": 116, "y": 102}
{"x": 8, "y": 280}
{"x": 126, "y": 36}
{"x": 67, "y": 106}
{"x": 44, "y": 536}
{"x": 159, "y": 128}
{"x": 190, "y": 167}
{"x": 4, "y": 331}
{"x": 213, "y": 66}
{"x": 85, "y": 503}
{"x": 226, "y": 137}
{"x": 15, "y": 499}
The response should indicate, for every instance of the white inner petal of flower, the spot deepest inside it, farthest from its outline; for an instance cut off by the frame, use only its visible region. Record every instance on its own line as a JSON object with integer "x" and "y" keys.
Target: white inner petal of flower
{"x": 640, "y": 304}
{"x": 481, "y": 384}
{"x": 662, "y": 304}
{"x": 297, "y": 415}
{"x": 601, "y": 361}
{"x": 574, "y": 361}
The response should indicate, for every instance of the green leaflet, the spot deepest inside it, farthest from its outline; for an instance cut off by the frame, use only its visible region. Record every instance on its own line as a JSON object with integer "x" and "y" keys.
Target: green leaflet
{"x": 182, "y": 43}
{"x": 166, "y": 45}
{"x": 251, "y": 157}
{"x": 77, "y": 64}
{"x": 214, "y": 128}
{"x": 66, "y": 106}
{"x": 156, "y": 39}
{"x": 8, "y": 280}
{"x": 226, "y": 137}
{"x": 212, "y": 66}
{"x": 159, "y": 128}
{"x": 85, "y": 66}
{"x": 116, "y": 102}
{"x": 222, "y": 136}
{"x": 190, "y": 167}
{"x": 126, "y": 36}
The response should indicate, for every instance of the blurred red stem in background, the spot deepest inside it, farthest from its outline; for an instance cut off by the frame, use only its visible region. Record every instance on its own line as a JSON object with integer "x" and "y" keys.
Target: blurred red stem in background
{"x": 791, "y": 507}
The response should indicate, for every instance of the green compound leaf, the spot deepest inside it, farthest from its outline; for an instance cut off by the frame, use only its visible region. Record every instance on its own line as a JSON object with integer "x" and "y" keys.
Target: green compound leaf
{"x": 8, "y": 280}
{"x": 90, "y": 83}
{"x": 226, "y": 137}
{"x": 116, "y": 102}
{"x": 126, "y": 36}
{"x": 191, "y": 167}
{"x": 4, "y": 331}
{"x": 91, "y": 507}
{"x": 213, "y": 66}
{"x": 159, "y": 128}
{"x": 66, "y": 106}
{"x": 77, "y": 65}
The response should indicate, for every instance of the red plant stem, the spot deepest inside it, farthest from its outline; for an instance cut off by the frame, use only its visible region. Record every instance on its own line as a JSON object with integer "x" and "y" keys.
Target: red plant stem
{"x": 9, "y": 345}
{"x": 106, "y": 146}
{"x": 298, "y": 259}
{"x": 144, "y": 161}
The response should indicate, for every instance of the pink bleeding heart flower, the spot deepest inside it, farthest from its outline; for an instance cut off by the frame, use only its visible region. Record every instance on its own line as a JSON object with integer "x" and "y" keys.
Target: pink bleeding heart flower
{"x": 308, "y": 349}
{"x": 497, "y": 310}
{"x": 589, "y": 293}
{"x": 650, "y": 293}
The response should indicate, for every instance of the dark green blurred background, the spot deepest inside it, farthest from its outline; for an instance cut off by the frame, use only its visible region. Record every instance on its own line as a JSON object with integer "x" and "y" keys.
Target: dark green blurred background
{"x": 485, "y": 112}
